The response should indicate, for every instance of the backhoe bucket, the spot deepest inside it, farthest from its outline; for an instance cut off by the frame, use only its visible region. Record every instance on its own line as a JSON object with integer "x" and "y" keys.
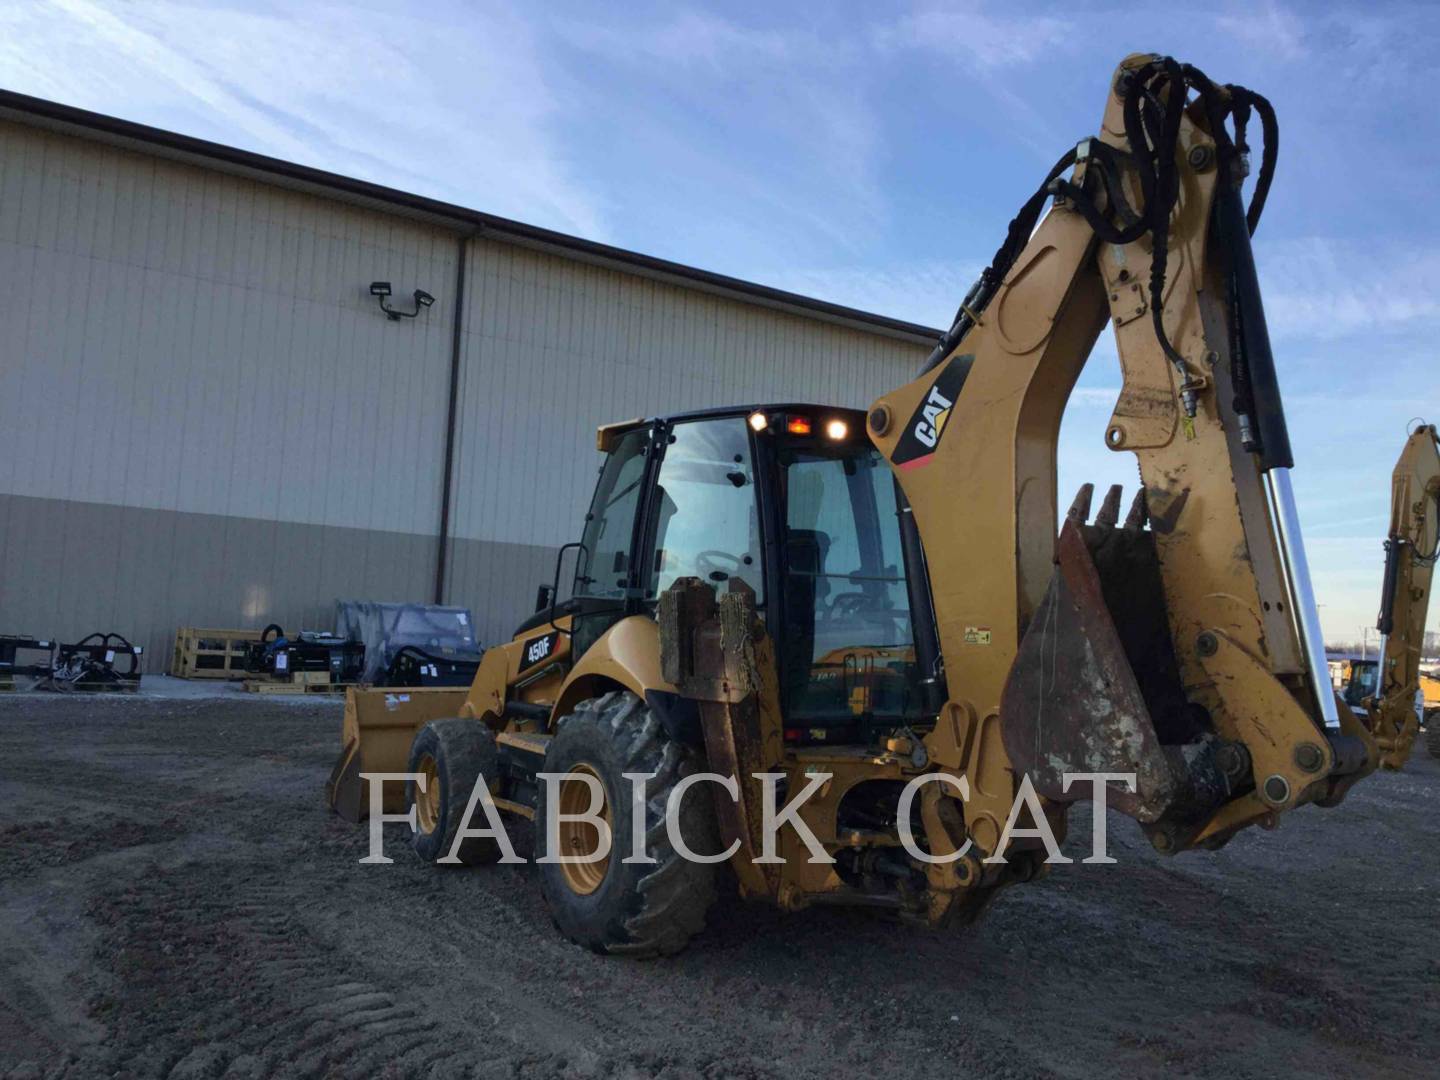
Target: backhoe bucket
{"x": 1095, "y": 687}
{"x": 375, "y": 737}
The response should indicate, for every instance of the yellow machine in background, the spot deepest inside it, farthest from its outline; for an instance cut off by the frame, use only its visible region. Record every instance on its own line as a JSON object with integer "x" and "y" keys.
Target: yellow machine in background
{"x": 1430, "y": 709}
{"x": 1410, "y": 552}
{"x": 852, "y": 602}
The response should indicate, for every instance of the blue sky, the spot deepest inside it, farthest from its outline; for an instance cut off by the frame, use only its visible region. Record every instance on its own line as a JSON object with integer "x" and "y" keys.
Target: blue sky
{"x": 870, "y": 154}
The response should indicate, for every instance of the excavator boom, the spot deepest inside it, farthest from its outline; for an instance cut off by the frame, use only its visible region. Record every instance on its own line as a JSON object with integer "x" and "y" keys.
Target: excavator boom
{"x": 1410, "y": 552}
{"x": 1183, "y": 647}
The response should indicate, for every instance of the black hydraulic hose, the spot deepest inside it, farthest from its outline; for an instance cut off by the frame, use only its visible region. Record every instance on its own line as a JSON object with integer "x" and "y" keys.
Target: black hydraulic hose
{"x": 1386, "y": 620}
{"x": 1016, "y": 237}
{"x": 1243, "y": 401}
{"x": 1254, "y": 337}
{"x": 1152, "y": 127}
{"x": 1155, "y": 98}
{"x": 1270, "y": 130}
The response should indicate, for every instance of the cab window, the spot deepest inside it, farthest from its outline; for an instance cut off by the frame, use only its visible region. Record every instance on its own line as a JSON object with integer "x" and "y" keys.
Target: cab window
{"x": 848, "y": 654}
{"x": 603, "y": 567}
{"x": 706, "y": 523}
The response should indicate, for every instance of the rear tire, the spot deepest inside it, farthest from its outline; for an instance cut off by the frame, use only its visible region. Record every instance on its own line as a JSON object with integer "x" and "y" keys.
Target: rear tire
{"x": 453, "y": 754}
{"x": 637, "y": 909}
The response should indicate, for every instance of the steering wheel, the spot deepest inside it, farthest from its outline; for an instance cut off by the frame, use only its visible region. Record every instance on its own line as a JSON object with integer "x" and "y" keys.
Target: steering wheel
{"x": 851, "y": 603}
{"x": 706, "y": 563}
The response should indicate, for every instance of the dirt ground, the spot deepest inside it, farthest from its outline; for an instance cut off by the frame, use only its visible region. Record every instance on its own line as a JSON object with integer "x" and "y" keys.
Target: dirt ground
{"x": 176, "y": 901}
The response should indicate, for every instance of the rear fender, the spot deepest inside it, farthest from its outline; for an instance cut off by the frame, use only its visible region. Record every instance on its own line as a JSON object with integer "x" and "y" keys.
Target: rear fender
{"x": 625, "y": 657}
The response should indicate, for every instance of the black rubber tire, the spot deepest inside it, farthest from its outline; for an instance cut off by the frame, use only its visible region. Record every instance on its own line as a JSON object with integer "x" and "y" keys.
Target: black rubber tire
{"x": 1432, "y": 733}
{"x": 464, "y": 750}
{"x": 639, "y": 909}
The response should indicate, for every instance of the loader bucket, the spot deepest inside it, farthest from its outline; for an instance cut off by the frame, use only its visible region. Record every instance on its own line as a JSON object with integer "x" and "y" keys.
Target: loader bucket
{"x": 375, "y": 737}
{"x": 1095, "y": 687}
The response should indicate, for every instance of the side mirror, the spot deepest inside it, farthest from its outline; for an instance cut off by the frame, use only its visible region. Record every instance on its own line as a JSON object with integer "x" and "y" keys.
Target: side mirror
{"x": 555, "y": 586}
{"x": 544, "y": 597}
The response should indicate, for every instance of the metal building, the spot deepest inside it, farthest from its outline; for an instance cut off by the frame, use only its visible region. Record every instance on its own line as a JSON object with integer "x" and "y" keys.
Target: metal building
{"x": 206, "y": 419}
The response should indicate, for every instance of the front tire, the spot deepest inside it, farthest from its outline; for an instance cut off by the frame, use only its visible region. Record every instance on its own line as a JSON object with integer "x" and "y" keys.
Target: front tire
{"x": 638, "y": 909}
{"x": 452, "y": 755}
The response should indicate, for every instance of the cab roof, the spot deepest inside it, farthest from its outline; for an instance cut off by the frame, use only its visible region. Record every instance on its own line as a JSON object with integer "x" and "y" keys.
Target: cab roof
{"x": 607, "y": 433}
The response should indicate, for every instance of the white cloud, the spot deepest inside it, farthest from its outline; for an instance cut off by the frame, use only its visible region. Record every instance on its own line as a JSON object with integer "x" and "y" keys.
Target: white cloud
{"x": 925, "y": 293}
{"x": 983, "y": 45}
{"x": 784, "y": 117}
{"x": 982, "y": 40}
{"x": 691, "y": 39}
{"x": 1270, "y": 27}
{"x": 1320, "y": 287}
{"x": 460, "y": 110}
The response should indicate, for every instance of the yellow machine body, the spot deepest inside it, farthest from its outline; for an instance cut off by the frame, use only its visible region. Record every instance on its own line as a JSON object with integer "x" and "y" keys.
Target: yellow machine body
{"x": 1064, "y": 645}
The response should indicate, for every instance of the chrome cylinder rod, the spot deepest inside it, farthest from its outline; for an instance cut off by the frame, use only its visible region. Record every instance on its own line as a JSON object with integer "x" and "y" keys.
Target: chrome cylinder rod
{"x": 1302, "y": 596}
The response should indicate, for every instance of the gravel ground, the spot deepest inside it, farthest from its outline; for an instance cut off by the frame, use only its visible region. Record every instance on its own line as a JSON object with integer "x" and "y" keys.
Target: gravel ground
{"x": 175, "y": 901}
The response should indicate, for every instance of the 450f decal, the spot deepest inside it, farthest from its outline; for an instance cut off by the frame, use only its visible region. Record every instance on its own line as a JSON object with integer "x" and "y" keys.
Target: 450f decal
{"x": 537, "y": 649}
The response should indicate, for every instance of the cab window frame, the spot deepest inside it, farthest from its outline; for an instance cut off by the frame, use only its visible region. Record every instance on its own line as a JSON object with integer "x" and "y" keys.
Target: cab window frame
{"x": 583, "y": 607}
{"x": 766, "y": 564}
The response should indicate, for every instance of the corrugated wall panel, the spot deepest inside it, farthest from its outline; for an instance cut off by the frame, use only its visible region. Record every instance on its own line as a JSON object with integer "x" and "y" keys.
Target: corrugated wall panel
{"x": 553, "y": 348}
{"x": 184, "y": 341}
{"x": 203, "y": 415}
{"x": 204, "y": 419}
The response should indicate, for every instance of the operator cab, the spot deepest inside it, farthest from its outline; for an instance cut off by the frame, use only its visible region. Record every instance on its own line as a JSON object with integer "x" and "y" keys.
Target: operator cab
{"x": 794, "y": 502}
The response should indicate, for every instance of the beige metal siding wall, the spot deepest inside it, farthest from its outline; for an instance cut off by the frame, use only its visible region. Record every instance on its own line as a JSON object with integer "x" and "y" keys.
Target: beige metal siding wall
{"x": 553, "y": 348}
{"x": 203, "y": 418}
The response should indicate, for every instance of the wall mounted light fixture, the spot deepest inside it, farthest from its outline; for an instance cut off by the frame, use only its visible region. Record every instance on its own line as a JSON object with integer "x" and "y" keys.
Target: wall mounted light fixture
{"x": 381, "y": 289}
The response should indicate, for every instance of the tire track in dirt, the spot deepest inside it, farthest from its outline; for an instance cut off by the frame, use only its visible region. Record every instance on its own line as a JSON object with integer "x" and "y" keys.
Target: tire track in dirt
{"x": 217, "y": 925}
{"x": 216, "y": 975}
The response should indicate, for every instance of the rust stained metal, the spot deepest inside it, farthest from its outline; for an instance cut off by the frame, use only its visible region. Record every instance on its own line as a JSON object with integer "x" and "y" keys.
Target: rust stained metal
{"x": 1164, "y": 519}
{"x": 717, "y": 654}
{"x": 1072, "y": 703}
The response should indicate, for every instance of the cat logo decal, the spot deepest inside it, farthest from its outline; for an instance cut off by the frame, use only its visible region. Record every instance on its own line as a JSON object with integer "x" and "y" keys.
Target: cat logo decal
{"x": 922, "y": 436}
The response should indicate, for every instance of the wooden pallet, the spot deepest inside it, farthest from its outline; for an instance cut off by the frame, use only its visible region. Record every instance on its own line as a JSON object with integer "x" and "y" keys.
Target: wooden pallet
{"x": 204, "y": 653}
{"x": 302, "y": 682}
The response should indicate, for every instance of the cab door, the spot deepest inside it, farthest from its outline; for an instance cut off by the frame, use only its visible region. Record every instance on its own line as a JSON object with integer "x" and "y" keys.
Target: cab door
{"x": 703, "y": 517}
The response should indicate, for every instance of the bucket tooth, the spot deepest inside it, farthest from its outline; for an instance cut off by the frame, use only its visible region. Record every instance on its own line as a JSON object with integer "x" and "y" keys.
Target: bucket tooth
{"x": 1109, "y": 514}
{"x": 1135, "y": 519}
{"x": 1080, "y": 509}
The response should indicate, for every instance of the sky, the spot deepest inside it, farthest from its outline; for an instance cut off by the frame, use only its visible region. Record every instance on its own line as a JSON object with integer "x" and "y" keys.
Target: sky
{"x": 869, "y": 154}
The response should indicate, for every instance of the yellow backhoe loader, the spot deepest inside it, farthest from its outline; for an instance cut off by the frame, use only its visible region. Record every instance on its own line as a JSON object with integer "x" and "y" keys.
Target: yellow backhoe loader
{"x": 876, "y": 629}
{"x": 1410, "y": 552}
